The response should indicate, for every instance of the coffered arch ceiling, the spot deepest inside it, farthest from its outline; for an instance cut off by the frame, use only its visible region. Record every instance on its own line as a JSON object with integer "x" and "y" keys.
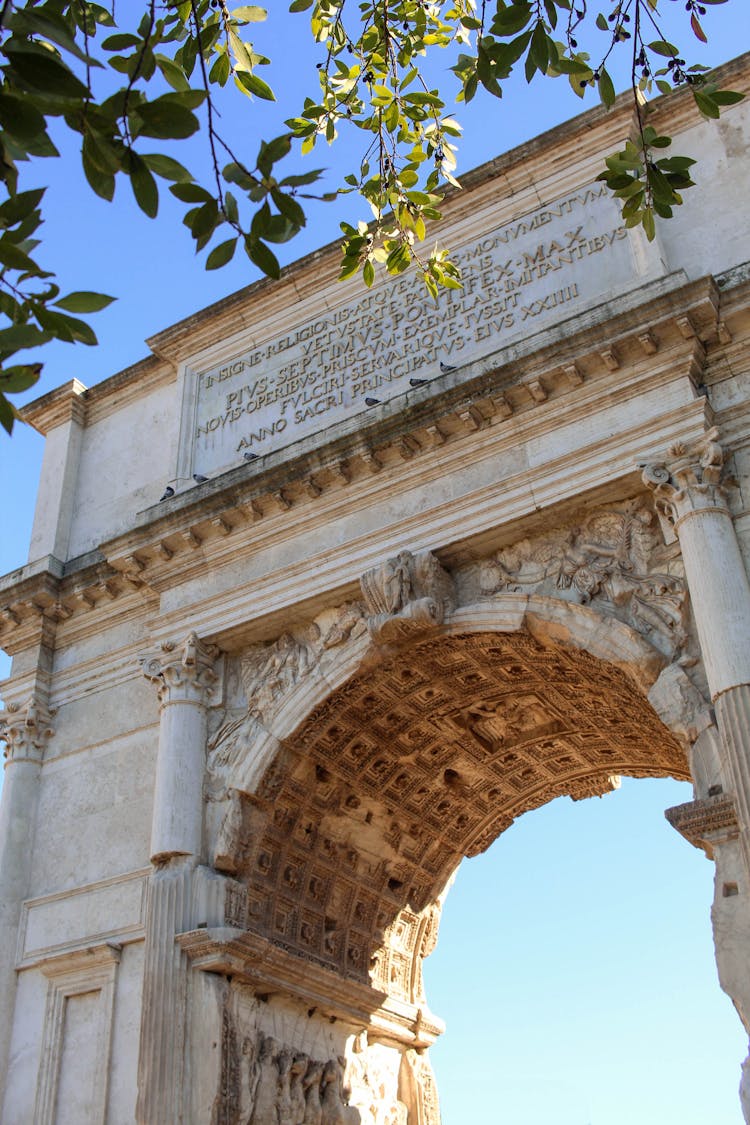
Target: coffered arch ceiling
{"x": 414, "y": 764}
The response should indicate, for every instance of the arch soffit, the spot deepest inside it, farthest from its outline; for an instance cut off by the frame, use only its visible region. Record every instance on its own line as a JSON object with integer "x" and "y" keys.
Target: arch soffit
{"x": 552, "y": 622}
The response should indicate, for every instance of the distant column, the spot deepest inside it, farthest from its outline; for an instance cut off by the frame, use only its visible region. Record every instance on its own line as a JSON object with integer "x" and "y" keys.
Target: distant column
{"x": 184, "y": 676}
{"x": 25, "y": 728}
{"x": 688, "y": 492}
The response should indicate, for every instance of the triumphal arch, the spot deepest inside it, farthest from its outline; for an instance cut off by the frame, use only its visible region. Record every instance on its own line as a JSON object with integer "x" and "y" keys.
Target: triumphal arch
{"x": 370, "y": 578}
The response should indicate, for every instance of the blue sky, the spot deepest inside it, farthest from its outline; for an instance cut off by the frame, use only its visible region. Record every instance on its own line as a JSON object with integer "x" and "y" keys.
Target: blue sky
{"x": 575, "y": 967}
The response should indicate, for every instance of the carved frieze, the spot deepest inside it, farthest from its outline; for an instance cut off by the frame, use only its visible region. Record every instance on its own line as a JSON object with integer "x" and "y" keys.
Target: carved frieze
{"x": 267, "y": 1082}
{"x": 604, "y": 559}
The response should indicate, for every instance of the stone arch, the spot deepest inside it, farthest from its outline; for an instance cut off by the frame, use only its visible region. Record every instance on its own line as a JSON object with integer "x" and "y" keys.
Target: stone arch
{"x": 382, "y": 766}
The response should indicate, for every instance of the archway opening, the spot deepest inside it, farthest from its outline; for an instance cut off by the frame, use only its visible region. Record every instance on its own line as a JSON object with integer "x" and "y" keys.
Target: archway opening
{"x": 424, "y": 756}
{"x": 576, "y": 975}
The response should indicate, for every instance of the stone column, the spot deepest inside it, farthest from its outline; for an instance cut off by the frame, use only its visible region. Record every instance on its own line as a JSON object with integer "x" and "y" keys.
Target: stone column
{"x": 688, "y": 493}
{"x": 184, "y": 676}
{"x": 25, "y": 730}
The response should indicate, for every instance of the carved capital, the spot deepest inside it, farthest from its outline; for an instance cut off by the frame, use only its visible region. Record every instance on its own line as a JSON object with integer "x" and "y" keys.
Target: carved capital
{"x": 689, "y": 480}
{"x": 182, "y": 673}
{"x": 25, "y": 728}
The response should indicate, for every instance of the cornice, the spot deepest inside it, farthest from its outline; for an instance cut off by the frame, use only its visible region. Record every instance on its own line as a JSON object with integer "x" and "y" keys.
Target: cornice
{"x": 64, "y": 404}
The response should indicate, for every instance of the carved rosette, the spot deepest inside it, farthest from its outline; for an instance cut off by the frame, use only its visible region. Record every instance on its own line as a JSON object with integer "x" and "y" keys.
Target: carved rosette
{"x": 182, "y": 673}
{"x": 25, "y": 729}
{"x": 689, "y": 481}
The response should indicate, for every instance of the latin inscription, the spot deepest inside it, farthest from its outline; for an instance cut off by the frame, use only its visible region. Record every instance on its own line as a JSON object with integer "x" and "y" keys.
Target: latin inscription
{"x": 516, "y": 280}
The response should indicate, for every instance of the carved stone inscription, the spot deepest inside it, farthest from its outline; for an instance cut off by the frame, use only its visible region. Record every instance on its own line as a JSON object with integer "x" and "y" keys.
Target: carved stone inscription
{"x": 517, "y": 279}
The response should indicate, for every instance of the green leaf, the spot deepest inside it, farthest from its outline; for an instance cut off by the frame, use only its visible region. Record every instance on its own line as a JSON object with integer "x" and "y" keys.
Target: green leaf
{"x": 288, "y": 207}
{"x": 508, "y": 21}
{"x": 166, "y": 117}
{"x": 83, "y": 302}
{"x": 606, "y": 89}
{"x": 706, "y": 104}
{"x": 250, "y": 13}
{"x": 7, "y": 414}
{"x": 19, "y": 206}
{"x": 262, "y": 257}
{"x": 300, "y": 5}
{"x": 661, "y": 47}
{"x": 204, "y": 220}
{"x": 13, "y": 258}
{"x": 272, "y": 151}
{"x": 43, "y": 71}
{"x": 221, "y": 254}
{"x": 234, "y": 174}
{"x": 67, "y": 328}
{"x": 20, "y": 336}
{"x": 166, "y": 167}
{"x": 173, "y": 73}
{"x": 120, "y": 42}
{"x": 539, "y": 48}
{"x": 101, "y": 183}
{"x": 727, "y": 97}
{"x": 144, "y": 186}
{"x": 368, "y": 273}
{"x": 191, "y": 193}
{"x": 99, "y": 150}
{"x": 19, "y": 378}
{"x": 19, "y": 117}
{"x": 254, "y": 85}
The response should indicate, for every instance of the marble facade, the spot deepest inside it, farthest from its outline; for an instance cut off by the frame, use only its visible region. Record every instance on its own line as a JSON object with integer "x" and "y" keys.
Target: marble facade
{"x": 252, "y": 727}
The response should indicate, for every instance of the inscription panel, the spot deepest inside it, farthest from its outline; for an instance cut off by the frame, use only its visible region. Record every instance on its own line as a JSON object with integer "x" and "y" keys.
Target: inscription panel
{"x": 517, "y": 279}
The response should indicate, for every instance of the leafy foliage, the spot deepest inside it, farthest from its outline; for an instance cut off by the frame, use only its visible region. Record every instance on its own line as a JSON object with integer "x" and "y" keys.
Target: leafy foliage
{"x": 121, "y": 88}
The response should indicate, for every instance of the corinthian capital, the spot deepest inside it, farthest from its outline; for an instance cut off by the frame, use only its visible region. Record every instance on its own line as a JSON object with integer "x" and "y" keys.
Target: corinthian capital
{"x": 688, "y": 480}
{"x": 25, "y": 728}
{"x": 184, "y": 672}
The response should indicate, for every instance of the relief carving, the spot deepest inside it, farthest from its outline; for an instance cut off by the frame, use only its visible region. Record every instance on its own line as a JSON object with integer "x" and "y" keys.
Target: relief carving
{"x": 267, "y": 672}
{"x": 271, "y": 1083}
{"x": 605, "y": 559}
{"x": 406, "y": 595}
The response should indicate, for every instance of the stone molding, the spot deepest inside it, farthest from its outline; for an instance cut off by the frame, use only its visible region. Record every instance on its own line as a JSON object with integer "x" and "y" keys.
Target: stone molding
{"x": 707, "y": 822}
{"x": 25, "y": 728}
{"x": 689, "y": 480}
{"x": 250, "y": 958}
{"x": 182, "y": 673}
{"x": 69, "y": 975}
